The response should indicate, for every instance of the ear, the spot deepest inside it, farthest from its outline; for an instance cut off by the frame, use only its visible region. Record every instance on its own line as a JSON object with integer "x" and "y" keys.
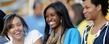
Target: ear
{"x": 99, "y": 8}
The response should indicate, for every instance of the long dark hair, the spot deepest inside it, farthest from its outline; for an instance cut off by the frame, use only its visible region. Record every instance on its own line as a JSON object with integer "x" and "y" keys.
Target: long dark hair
{"x": 8, "y": 24}
{"x": 62, "y": 13}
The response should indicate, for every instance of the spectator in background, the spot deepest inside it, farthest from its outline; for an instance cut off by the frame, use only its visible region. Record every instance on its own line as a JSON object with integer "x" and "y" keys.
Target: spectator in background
{"x": 77, "y": 15}
{"x": 36, "y": 20}
{"x": 78, "y": 18}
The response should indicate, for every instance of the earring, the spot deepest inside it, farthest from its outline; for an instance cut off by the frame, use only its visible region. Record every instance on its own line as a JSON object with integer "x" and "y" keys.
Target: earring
{"x": 61, "y": 21}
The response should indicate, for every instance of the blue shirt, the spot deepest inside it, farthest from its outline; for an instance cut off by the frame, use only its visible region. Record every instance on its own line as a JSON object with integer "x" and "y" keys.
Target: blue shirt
{"x": 72, "y": 36}
{"x": 3, "y": 39}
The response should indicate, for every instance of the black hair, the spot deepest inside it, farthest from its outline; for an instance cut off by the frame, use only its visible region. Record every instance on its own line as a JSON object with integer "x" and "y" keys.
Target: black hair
{"x": 8, "y": 24}
{"x": 103, "y": 3}
{"x": 78, "y": 10}
{"x": 2, "y": 14}
{"x": 36, "y": 3}
{"x": 62, "y": 13}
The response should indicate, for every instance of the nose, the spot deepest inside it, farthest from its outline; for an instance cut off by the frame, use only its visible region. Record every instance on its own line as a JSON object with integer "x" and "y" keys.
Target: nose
{"x": 16, "y": 28}
{"x": 84, "y": 11}
{"x": 49, "y": 19}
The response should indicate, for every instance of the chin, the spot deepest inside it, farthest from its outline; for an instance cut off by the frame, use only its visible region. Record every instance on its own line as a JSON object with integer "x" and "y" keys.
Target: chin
{"x": 54, "y": 27}
{"x": 19, "y": 38}
{"x": 88, "y": 19}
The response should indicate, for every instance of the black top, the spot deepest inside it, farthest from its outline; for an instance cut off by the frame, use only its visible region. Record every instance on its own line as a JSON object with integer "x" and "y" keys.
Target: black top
{"x": 103, "y": 37}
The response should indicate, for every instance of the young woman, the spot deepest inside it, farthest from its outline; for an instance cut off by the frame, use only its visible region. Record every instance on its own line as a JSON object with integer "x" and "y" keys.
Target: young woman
{"x": 59, "y": 28}
{"x": 15, "y": 30}
{"x": 98, "y": 33}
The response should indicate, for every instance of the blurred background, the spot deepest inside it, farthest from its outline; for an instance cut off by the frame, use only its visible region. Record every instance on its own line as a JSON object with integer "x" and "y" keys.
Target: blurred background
{"x": 24, "y": 7}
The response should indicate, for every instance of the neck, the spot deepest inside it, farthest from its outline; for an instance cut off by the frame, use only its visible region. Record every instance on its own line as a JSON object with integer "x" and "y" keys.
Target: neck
{"x": 18, "y": 41}
{"x": 100, "y": 20}
{"x": 98, "y": 24}
{"x": 58, "y": 29}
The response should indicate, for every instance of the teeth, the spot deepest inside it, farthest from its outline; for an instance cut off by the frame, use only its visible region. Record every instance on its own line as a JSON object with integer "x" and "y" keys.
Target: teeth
{"x": 17, "y": 33}
{"x": 51, "y": 23}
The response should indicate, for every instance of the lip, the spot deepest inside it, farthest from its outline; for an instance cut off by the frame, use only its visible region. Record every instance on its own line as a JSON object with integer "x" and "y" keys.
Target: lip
{"x": 51, "y": 23}
{"x": 85, "y": 15}
{"x": 18, "y": 33}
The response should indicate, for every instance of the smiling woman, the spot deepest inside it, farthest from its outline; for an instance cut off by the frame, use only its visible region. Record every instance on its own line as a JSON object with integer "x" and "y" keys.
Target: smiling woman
{"x": 15, "y": 31}
{"x": 58, "y": 22}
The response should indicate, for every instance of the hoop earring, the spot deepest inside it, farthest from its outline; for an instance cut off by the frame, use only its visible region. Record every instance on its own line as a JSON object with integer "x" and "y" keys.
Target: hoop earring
{"x": 61, "y": 21}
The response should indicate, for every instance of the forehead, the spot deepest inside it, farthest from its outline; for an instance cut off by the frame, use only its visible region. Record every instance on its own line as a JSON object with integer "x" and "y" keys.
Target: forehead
{"x": 16, "y": 20}
{"x": 50, "y": 10}
{"x": 87, "y": 2}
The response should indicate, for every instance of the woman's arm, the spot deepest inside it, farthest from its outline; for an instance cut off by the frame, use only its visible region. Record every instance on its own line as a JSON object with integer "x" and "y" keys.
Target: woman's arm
{"x": 39, "y": 41}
